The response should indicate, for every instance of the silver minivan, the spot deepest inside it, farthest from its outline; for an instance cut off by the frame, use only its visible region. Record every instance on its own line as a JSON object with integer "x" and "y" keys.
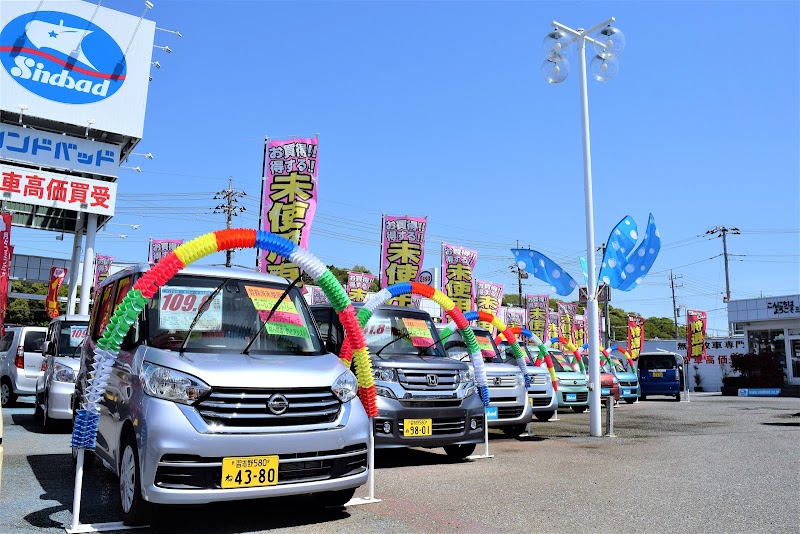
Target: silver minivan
{"x": 221, "y": 391}
{"x": 20, "y": 362}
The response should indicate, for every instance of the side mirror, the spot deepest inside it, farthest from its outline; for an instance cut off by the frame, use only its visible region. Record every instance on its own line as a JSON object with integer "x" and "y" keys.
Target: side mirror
{"x": 45, "y": 348}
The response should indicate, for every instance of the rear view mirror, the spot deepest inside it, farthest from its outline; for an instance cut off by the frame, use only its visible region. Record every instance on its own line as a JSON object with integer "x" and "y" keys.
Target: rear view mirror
{"x": 45, "y": 347}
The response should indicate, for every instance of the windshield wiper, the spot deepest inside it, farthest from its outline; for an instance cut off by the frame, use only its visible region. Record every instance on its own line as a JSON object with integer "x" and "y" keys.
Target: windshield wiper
{"x": 200, "y": 311}
{"x": 76, "y": 348}
{"x": 272, "y": 311}
{"x": 402, "y": 334}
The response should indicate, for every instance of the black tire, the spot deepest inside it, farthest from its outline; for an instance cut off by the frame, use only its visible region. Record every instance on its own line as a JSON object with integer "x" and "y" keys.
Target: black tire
{"x": 513, "y": 431}
{"x": 48, "y": 423}
{"x": 135, "y": 510}
{"x": 642, "y": 397}
{"x": 678, "y": 397}
{"x": 37, "y": 409}
{"x": 335, "y": 499}
{"x": 578, "y": 409}
{"x": 630, "y": 401}
{"x": 459, "y": 451}
{"x": 543, "y": 416}
{"x": 7, "y": 396}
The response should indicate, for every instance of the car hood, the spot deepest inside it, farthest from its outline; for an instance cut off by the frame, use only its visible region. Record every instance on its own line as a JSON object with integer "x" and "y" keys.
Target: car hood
{"x": 627, "y": 376}
{"x": 72, "y": 363}
{"x": 251, "y": 371}
{"x": 500, "y": 369}
{"x": 419, "y": 362}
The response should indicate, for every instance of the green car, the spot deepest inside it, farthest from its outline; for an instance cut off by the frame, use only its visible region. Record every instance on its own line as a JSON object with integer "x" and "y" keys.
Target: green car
{"x": 573, "y": 389}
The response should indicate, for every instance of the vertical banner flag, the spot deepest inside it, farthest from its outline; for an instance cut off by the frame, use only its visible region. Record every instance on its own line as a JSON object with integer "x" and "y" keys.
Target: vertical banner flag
{"x": 161, "y": 247}
{"x": 57, "y": 275}
{"x": 358, "y": 285}
{"x": 290, "y": 199}
{"x": 102, "y": 264}
{"x": 566, "y": 318}
{"x": 579, "y": 332}
{"x": 5, "y": 265}
{"x": 318, "y": 295}
{"x": 457, "y": 266}
{"x": 416, "y": 301}
{"x": 515, "y": 317}
{"x": 402, "y": 252}
{"x": 537, "y": 306}
{"x": 696, "y": 334}
{"x": 635, "y": 335}
{"x": 552, "y": 327}
{"x": 489, "y": 297}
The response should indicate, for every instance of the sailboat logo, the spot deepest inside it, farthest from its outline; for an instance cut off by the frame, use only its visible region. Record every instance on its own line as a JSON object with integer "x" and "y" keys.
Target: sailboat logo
{"x": 62, "y": 57}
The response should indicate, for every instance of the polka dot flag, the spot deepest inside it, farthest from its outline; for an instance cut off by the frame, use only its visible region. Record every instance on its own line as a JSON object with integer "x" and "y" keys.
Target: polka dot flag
{"x": 545, "y": 270}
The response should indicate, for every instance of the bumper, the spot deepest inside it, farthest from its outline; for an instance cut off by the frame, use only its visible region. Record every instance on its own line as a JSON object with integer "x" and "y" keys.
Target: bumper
{"x": 606, "y": 392}
{"x": 24, "y": 385}
{"x": 59, "y": 401}
{"x": 629, "y": 392}
{"x": 542, "y": 400}
{"x": 660, "y": 389}
{"x": 569, "y": 396}
{"x": 183, "y": 466}
{"x": 450, "y": 425}
{"x": 512, "y": 406}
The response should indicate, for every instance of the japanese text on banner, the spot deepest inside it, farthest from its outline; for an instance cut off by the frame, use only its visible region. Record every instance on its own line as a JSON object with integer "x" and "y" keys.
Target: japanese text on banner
{"x": 57, "y": 275}
{"x": 579, "y": 332}
{"x": 537, "y": 309}
{"x": 403, "y": 242}
{"x": 566, "y": 318}
{"x": 489, "y": 297}
{"x": 5, "y": 265}
{"x": 458, "y": 263}
{"x": 161, "y": 247}
{"x": 290, "y": 199}
{"x": 358, "y": 285}
{"x": 552, "y": 328}
{"x": 102, "y": 264}
{"x": 515, "y": 317}
{"x": 318, "y": 296}
{"x": 696, "y": 334}
{"x": 635, "y": 335}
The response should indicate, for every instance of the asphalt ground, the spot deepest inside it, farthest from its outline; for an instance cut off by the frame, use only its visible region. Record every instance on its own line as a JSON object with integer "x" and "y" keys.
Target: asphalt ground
{"x": 715, "y": 464}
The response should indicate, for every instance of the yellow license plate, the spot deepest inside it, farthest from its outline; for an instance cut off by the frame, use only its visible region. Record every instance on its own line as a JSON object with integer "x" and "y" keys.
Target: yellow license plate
{"x": 417, "y": 427}
{"x": 530, "y": 400}
{"x": 658, "y": 374}
{"x": 249, "y": 471}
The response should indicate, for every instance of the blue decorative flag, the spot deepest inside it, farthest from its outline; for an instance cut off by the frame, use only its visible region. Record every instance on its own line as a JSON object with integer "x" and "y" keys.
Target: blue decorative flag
{"x": 585, "y": 269}
{"x": 619, "y": 245}
{"x": 545, "y": 270}
{"x": 641, "y": 260}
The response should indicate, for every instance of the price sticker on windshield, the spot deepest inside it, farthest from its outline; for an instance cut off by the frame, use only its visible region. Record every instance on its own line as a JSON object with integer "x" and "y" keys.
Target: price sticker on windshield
{"x": 285, "y": 320}
{"x": 77, "y": 335}
{"x": 418, "y": 331}
{"x": 485, "y": 344}
{"x": 179, "y": 305}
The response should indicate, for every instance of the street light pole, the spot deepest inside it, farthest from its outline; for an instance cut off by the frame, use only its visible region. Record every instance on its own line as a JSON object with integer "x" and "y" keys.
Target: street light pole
{"x": 559, "y": 67}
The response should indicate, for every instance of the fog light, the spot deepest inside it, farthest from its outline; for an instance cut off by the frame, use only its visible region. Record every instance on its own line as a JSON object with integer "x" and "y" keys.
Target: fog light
{"x": 473, "y": 424}
{"x": 387, "y": 427}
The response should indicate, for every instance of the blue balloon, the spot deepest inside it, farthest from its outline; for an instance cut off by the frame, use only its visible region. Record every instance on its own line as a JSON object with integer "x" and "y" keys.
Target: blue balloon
{"x": 545, "y": 269}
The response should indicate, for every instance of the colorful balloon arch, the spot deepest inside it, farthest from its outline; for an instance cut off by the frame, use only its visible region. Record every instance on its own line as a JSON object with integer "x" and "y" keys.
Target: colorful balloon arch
{"x": 567, "y": 346}
{"x": 487, "y": 317}
{"x": 542, "y": 356}
{"x": 108, "y": 345}
{"x": 415, "y": 288}
{"x": 627, "y": 355}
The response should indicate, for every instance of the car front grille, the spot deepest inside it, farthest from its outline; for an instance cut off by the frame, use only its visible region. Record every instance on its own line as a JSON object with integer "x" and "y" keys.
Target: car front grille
{"x": 186, "y": 471}
{"x": 627, "y": 383}
{"x": 506, "y": 381}
{"x": 441, "y": 426}
{"x": 509, "y": 412}
{"x": 431, "y": 403}
{"x": 249, "y": 408}
{"x": 538, "y": 401}
{"x": 415, "y": 380}
{"x": 538, "y": 379}
{"x": 579, "y": 397}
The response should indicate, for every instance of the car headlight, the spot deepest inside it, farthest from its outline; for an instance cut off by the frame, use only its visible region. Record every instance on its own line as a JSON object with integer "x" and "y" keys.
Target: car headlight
{"x": 384, "y": 374}
{"x": 63, "y": 373}
{"x": 465, "y": 377}
{"x": 520, "y": 379}
{"x": 470, "y": 390}
{"x": 615, "y": 380}
{"x": 172, "y": 385}
{"x": 345, "y": 386}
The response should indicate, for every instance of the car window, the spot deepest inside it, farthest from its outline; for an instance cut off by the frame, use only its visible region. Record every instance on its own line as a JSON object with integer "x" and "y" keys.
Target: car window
{"x": 560, "y": 363}
{"x": 657, "y": 362}
{"x": 71, "y": 337}
{"x": 457, "y": 348}
{"x": 402, "y": 332}
{"x": 5, "y": 343}
{"x": 33, "y": 341}
{"x": 103, "y": 312}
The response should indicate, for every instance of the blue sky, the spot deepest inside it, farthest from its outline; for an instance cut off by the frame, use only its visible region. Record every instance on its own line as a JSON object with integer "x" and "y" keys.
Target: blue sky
{"x": 440, "y": 109}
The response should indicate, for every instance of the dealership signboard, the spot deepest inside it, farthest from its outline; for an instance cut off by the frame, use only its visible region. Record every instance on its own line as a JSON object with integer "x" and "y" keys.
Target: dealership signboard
{"x": 76, "y": 63}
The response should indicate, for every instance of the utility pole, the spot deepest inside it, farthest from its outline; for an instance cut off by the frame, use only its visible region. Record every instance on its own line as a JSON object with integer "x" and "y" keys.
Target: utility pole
{"x": 230, "y": 208}
{"x": 723, "y": 231}
{"x": 520, "y": 275}
{"x": 674, "y": 305}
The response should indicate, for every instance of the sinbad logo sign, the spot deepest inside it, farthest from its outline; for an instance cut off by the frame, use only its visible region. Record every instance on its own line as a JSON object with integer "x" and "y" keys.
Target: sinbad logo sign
{"x": 62, "y": 57}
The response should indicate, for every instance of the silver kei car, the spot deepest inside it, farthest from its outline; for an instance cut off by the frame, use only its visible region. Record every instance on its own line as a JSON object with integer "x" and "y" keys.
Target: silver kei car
{"x": 56, "y": 384}
{"x": 223, "y": 391}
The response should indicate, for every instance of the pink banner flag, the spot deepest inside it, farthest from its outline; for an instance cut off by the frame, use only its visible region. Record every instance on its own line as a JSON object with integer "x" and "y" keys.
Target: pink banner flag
{"x": 290, "y": 198}
{"x": 402, "y": 252}
{"x": 458, "y": 263}
{"x": 489, "y": 298}
{"x": 566, "y": 318}
{"x": 318, "y": 296}
{"x": 358, "y": 285}
{"x": 102, "y": 264}
{"x": 552, "y": 327}
{"x": 161, "y": 247}
{"x": 537, "y": 308}
{"x": 515, "y": 317}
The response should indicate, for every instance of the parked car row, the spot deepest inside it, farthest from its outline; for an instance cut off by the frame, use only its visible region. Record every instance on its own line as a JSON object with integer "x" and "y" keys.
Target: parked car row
{"x": 229, "y": 386}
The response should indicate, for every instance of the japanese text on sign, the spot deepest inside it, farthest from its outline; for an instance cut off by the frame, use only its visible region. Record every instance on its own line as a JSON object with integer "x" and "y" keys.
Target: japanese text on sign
{"x": 696, "y": 331}
{"x": 457, "y": 266}
{"x": 488, "y": 298}
{"x": 515, "y": 317}
{"x": 285, "y": 320}
{"x": 566, "y": 318}
{"x": 635, "y": 336}
{"x": 418, "y": 331}
{"x": 358, "y": 285}
{"x": 552, "y": 327}
{"x": 537, "y": 307}
{"x": 178, "y": 306}
{"x": 290, "y": 199}
{"x": 403, "y": 242}
{"x": 783, "y": 306}
{"x": 161, "y": 247}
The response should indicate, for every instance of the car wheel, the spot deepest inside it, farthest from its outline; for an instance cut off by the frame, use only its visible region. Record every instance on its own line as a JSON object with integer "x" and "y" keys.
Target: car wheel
{"x": 47, "y": 422}
{"x": 459, "y": 451}
{"x": 37, "y": 409}
{"x": 678, "y": 397}
{"x": 135, "y": 510}
{"x": 7, "y": 396}
{"x": 335, "y": 499}
{"x": 543, "y": 416}
{"x": 579, "y": 409}
{"x": 630, "y": 401}
{"x": 513, "y": 431}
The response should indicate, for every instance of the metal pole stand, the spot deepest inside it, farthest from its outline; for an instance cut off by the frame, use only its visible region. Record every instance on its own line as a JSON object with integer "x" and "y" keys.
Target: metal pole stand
{"x": 555, "y": 415}
{"x": 485, "y": 442}
{"x": 76, "y": 525}
{"x": 610, "y": 417}
{"x": 370, "y": 498}
{"x": 528, "y": 431}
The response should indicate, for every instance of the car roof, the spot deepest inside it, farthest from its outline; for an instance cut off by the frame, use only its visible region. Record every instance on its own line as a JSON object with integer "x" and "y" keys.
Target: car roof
{"x": 72, "y": 318}
{"x": 236, "y": 273}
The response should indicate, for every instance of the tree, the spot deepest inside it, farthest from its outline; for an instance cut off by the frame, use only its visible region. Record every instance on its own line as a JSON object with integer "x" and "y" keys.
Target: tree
{"x": 29, "y": 312}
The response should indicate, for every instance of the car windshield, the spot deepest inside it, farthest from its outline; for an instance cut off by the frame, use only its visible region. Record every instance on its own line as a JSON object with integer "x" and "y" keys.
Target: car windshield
{"x": 457, "y": 348}
{"x": 236, "y": 313}
{"x": 399, "y": 332}
{"x": 621, "y": 365}
{"x": 560, "y": 363}
{"x": 665, "y": 361}
{"x": 508, "y": 353}
{"x": 71, "y": 338}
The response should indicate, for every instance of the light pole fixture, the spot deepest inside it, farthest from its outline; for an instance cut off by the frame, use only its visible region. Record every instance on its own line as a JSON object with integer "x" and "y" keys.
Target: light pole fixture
{"x": 173, "y": 32}
{"x": 156, "y": 64}
{"x": 149, "y": 155}
{"x": 608, "y": 43}
{"x": 137, "y": 168}
{"x": 166, "y": 49}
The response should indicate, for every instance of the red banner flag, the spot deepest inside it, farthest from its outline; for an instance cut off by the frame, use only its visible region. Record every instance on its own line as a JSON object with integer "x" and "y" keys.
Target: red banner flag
{"x": 635, "y": 335}
{"x": 696, "y": 322}
{"x": 57, "y": 275}
{"x": 5, "y": 265}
